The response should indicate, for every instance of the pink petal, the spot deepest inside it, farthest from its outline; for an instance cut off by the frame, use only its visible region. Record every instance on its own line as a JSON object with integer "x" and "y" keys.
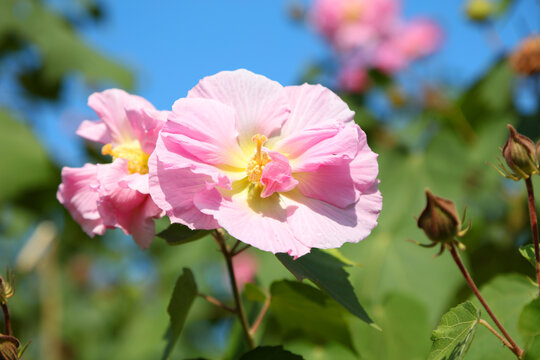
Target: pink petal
{"x": 173, "y": 155}
{"x": 364, "y": 168}
{"x": 322, "y": 225}
{"x": 117, "y": 201}
{"x": 314, "y": 106}
{"x": 261, "y": 223}
{"x": 79, "y": 194}
{"x": 205, "y": 130}
{"x": 94, "y": 131}
{"x": 142, "y": 227}
{"x": 146, "y": 125}
{"x": 296, "y": 144}
{"x": 136, "y": 181}
{"x": 276, "y": 176}
{"x": 173, "y": 189}
{"x": 330, "y": 183}
{"x": 261, "y": 104}
{"x": 111, "y": 105}
{"x": 326, "y": 151}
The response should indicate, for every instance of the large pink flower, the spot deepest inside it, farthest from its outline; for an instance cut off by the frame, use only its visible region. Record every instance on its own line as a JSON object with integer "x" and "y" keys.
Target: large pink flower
{"x": 283, "y": 169}
{"x": 116, "y": 195}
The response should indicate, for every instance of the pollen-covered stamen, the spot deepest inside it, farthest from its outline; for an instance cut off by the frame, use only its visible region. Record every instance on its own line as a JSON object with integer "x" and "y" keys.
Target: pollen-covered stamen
{"x": 257, "y": 163}
{"x": 132, "y": 152}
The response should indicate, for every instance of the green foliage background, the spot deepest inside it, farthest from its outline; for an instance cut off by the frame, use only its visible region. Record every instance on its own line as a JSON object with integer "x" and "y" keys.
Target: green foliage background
{"x": 89, "y": 298}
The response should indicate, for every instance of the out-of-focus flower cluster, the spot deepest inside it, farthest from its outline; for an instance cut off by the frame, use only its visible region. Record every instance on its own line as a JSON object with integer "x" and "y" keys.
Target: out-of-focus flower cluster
{"x": 371, "y": 34}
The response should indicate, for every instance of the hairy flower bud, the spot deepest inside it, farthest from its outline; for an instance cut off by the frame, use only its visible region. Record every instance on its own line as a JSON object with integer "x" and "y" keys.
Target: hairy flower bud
{"x": 526, "y": 59}
{"x": 479, "y": 10}
{"x": 519, "y": 152}
{"x": 439, "y": 219}
{"x": 9, "y": 347}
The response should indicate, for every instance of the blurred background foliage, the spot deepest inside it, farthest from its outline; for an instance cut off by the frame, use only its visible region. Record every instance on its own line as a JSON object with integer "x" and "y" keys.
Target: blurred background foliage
{"x": 81, "y": 298}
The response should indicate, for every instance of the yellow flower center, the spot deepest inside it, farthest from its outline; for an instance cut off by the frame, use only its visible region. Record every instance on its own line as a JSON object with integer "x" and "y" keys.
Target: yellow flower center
{"x": 257, "y": 163}
{"x": 132, "y": 152}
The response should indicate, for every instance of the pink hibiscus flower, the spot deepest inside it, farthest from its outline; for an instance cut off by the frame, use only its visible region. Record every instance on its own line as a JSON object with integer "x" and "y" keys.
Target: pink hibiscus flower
{"x": 116, "y": 195}
{"x": 283, "y": 169}
{"x": 407, "y": 43}
{"x": 348, "y": 24}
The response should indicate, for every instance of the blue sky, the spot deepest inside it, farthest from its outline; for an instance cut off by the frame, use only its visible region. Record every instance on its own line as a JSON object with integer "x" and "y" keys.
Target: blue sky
{"x": 170, "y": 45}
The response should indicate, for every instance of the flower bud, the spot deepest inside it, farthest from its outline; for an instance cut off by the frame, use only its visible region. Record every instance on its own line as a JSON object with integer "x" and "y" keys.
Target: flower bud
{"x": 439, "y": 219}
{"x": 479, "y": 10}
{"x": 9, "y": 347}
{"x": 520, "y": 154}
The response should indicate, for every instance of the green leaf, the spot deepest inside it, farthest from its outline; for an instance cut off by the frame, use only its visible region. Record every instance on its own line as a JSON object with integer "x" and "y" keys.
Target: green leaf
{"x": 506, "y": 296}
{"x": 532, "y": 351}
{"x": 528, "y": 253}
{"x": 178, "y": 234}
{"x": 270, "y": 353}
{"x": 185, "y": 292}
{"x": 529, "y": 320}
{"x": 404, "y": 322}
{"x": 304, "y": 311}
{"x": 60, "y": 49}
{"x": 254, "y": 293}
{"x": 328, "y": 274}
{"x": 339, "y": 255}
{"x": 453, "y": 336}
{"x": 26, "y": 165}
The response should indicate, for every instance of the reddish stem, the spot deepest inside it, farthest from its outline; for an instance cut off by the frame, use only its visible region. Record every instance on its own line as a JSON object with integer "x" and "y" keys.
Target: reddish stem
{"x": 455, "y": 255}
{"x": 7, "y": 319}
{"x": 534, "y": 228}
{"x": 237, "y": 299}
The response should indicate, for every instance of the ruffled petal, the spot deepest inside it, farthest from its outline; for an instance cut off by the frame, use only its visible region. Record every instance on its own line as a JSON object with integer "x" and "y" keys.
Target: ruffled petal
{"x": 79, "y": 193}
{"x": 173, "y": 189}
{"x": 205, "y": 129}
{"x": 364, "y": 167}
{"x": 94, "y": 131}
{"x": 117, "y": 201}
{"x": 319, "y": 224}
{"x": 143, "y": 228}
{"x": 146, "y": 125}
{"x": 330, "y": 183}
{"x": 261, "y": 104}
{"x": 111, "y": 105}
{"x": 261, "y": 223}
{"x": 314, "y": 106}
{"x": 327, "y": 150}
{"x": 136, "y": 181}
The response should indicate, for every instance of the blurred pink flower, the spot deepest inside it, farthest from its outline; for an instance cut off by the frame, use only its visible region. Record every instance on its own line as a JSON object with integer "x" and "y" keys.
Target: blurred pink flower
{"x": 353, "y": 79}
{"x": 116, "y": 195}
{"x": 283, "y": 169}
{"x": 245, "y": 267}
{"x": 408, "y": 42}
{"x": 370, "y": 34}
{"x": 347, "y": 24}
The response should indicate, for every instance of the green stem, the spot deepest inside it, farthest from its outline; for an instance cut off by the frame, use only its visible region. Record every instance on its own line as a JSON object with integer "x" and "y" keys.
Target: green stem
{"x": 237, "y": 299}
{"x": 534, "y": 228}
{"x": 515, "y": 349}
